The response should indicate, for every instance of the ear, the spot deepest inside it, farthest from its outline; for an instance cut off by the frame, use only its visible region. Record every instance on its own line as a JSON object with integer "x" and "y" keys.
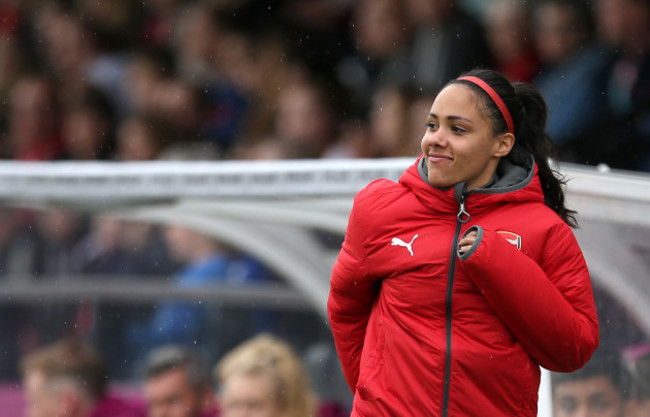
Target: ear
{"x": 505, "y": 142}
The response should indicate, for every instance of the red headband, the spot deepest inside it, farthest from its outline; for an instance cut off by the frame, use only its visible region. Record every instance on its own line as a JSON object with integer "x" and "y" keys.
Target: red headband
{"x": 495, "y": 98}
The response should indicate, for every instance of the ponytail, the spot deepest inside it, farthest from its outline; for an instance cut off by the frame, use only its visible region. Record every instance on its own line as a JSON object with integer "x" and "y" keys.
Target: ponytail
{"x": 533, "y": 138}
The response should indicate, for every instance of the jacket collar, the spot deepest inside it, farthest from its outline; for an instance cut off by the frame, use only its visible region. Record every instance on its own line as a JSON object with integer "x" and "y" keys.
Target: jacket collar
{"x": 514, "y": 181}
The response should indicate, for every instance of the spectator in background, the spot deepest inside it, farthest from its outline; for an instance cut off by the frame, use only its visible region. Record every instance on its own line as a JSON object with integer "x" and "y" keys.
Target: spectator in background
{"x": 447, "y": 41}
{"x": 381, "y": 32}
{"x": 306, "y": 119}
{"x": 181, "y": 105}
{"x": 265, "y": 376}
{"x": 111, "y": 22}
{"x": 55, "y": 233}
{"x": 194, "y": 40}
{"x": 113, "y": 249}
{"x": 352, "y": 141}
{"x": 158, "y": 22}
{"x": 16, "y": 326}
{"x": 508, "y": 30}
{"x": 204, "y": 262}
{"x": 253, "y": 68}
{"x": 388, "y": 116}
{"x": 66, "y": 47}
{"x": 177, "y": 384}
{"x": 87, "y": 127}
{"x": 573, "y": 78}
{"x": 155, "y": 92}
{"x": 13, "y": 59}
{"x": 69, "y": 378}
{"x": 77, "y": 52}
{"x": 146, "y": 72}
{"x": 316, "y": 33}
{"x": 201, "y": 47}
{"x": 624, "y": 28}
{"x": 143, "y": 138}
{"x": 33, "y": 131}
{"x": 598, "y": 389}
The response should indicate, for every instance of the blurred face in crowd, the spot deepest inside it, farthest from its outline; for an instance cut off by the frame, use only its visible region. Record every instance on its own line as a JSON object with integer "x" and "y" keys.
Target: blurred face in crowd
{"x": 387, "y": 119}
{"x": 84, "y": 134}
{"x": 507, "y": 29}
{"x": 49, "y": 399}
{"x": 459, "y": 143}
{"x": 249, "y": 395}
{"x": 557, "y": 33}
{"x": 380, "y": 27}
{"x": 31, "y": 115}
{"x": 304, "y": 119}
{"x": 590, "y": 397}
{"x": 182, "y": 242}
{"x": 623, "y": 23}
{"x": 135, "y": 141}
{"x": 170, "y": 394}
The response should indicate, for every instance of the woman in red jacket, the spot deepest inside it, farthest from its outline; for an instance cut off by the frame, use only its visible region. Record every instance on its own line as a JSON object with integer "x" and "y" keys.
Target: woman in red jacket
{"x": 454, "y": 285}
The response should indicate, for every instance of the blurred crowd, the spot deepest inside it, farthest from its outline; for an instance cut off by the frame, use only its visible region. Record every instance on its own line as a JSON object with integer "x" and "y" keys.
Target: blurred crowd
{"x": 261, "y": 377}
{"x": 265, "y": 377}
{"x": 259, "y": 79}
{"x": 122, "y": 80}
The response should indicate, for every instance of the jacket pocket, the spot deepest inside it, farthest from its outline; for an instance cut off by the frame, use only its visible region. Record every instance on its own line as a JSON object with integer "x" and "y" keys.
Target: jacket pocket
{"x": 372, "y": 366}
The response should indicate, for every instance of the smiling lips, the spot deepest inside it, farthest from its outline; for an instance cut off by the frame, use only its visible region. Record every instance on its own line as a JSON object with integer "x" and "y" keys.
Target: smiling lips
{"x": 436, "y": 157}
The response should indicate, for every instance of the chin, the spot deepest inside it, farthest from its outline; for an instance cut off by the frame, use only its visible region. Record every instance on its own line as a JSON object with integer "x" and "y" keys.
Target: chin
{"x": 440, "y": 183}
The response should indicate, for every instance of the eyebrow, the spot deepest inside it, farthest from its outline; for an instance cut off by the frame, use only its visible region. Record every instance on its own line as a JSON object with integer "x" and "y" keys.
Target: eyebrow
{"x": 452, "y": 118}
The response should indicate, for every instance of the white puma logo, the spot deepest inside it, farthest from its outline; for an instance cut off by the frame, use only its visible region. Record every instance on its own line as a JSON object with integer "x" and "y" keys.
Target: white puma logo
{"x": 399, "y": 242}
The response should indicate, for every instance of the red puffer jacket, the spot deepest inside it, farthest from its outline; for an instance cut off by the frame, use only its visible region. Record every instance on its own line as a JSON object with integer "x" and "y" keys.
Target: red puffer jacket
{"x": 421, "y": 331}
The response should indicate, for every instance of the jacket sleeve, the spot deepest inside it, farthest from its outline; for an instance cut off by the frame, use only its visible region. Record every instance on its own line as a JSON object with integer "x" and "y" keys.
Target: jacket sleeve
{"x": 549, "y": 307}
{"x": 352, "y": 295}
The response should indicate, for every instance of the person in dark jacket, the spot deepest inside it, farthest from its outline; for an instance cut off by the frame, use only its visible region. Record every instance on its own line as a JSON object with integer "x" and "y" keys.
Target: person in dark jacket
{"x": 454, "y": 285}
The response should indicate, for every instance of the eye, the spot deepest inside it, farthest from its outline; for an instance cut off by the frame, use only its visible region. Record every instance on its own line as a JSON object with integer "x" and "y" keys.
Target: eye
{"x": 458, "y": 129}
{"x": 568, "y": 405}
{"x": 431, "y": 126}
{"x": 600, "y": 404}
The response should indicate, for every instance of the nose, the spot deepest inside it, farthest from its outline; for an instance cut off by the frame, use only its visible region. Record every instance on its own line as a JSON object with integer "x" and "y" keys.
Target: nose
{"x": 434, "y": 138}
{"x": 582, "y": 411}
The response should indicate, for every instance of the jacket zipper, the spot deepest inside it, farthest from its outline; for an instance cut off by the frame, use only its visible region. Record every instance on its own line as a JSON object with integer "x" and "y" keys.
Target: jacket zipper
{"x": 462, "y": 218}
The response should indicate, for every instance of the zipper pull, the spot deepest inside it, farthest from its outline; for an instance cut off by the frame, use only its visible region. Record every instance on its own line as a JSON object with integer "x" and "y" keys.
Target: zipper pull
{"x": 463, "y": 216}
{"x": 460, "y": 192}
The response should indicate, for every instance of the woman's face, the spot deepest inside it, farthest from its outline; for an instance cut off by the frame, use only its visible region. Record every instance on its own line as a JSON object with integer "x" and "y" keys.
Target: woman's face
{"x": 249, "y": 395}
{"x": 459, "y": 144}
